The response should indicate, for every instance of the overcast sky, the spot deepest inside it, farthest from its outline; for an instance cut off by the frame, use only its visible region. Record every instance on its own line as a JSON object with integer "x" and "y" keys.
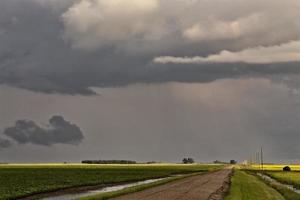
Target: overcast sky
{"x": 149, "y": 80}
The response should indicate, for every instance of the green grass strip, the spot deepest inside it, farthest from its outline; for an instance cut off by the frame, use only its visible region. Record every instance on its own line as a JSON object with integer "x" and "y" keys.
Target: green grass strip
{"x": 288, "y": 194}
{"x": 248, "y": 187}
{"x": 285, "y": 192}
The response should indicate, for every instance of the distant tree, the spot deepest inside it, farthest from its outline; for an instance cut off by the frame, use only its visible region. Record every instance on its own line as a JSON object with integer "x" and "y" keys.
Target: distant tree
{"x": 108, "y": 162}
{"x": 188, "y": 161}
{"x": 233, "y": 162}
{"x": 287, "y": 169}
{"x": 191, "y": 160}
{"x": 219, "y": 162}
{"x": 151, "y": 162}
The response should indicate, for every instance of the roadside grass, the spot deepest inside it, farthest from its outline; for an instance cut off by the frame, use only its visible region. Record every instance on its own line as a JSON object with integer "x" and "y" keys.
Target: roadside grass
{"x": 285, "y": 192}
{"x": 133, "y": 189}
{"x": 275, "y": 171}
{"x": 28, "y": 179}
{"x": 248, "y": 187}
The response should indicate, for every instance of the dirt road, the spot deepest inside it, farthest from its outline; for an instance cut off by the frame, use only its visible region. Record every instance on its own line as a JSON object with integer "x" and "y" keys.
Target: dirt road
{"x": 209, "y": 186}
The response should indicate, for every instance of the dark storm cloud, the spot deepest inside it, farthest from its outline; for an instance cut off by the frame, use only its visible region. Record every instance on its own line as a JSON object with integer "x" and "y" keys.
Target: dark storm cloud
{"x": 42, "y": 48}
{"x": 4, "y": 143}
{"x": 59, "y": 131}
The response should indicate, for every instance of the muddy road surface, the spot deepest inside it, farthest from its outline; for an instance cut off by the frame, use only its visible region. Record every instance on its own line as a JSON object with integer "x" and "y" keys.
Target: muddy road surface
{"x": 210, "y": 186}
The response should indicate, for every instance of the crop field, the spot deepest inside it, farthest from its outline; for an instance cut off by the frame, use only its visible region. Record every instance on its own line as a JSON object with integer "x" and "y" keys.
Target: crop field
{"x": 272, "y": 167}
{"x": 23, "y": 180}
{"x": 290, "y": 178}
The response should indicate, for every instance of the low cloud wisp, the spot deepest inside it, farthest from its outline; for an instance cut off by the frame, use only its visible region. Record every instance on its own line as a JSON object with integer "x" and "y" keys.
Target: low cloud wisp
{"x": 289, "y": 52}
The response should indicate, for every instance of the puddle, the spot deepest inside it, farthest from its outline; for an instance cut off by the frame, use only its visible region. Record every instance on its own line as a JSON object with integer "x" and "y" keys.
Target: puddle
{"x": 271, "y": 180}
{"x": 102, "y": 190}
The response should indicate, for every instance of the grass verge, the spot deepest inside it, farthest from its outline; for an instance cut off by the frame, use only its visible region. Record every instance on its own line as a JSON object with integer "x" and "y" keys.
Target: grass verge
{"x": 285, "y": 192}
{"x": 248, "y": 187}
{"x": 288, "y": 194}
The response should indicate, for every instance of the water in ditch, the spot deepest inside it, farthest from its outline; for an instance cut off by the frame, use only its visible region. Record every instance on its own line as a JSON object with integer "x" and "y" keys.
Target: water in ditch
{"x": 271, "y": 180}
{"x": 101, "y": 190}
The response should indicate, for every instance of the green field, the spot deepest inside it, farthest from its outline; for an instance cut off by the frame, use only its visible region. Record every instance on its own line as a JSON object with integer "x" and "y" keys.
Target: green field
{"x": 23, "y": 180}
{"x": 290, "y": 178}
{"x": 248, "y": 187}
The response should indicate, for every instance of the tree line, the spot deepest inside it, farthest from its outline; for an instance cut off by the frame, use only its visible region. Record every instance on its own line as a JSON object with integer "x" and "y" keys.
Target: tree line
{"x": 108, "y": 162}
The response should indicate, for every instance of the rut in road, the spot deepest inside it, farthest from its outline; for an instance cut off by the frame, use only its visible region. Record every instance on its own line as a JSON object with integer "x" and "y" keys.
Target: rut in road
{"x": 210, "y": 186}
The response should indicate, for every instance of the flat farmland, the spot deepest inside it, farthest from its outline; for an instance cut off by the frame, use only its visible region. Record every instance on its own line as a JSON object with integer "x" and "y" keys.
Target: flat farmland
{"x": 24, "y": 180}
{"x": 273, "y": 167}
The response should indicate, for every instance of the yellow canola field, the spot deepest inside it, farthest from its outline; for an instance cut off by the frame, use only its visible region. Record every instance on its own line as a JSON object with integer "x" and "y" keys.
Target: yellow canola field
{"x": 272, "y": 167}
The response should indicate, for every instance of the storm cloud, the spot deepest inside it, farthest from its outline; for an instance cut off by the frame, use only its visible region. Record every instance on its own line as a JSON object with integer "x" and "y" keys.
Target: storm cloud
{"x": 58, "y": 131}
{"x": 100, "y": 43}
{"x": 176, "y": 78}
{"x": 4, "y": 143}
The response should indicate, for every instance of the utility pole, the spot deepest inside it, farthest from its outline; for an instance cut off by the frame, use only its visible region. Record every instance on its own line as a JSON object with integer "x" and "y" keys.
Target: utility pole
{"x": 256, "y": 160}
{"x": 261, "y": 159}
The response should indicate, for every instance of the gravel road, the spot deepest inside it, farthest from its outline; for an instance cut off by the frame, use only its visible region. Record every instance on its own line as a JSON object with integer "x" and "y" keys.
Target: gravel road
{"x": 210, "y": 186}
